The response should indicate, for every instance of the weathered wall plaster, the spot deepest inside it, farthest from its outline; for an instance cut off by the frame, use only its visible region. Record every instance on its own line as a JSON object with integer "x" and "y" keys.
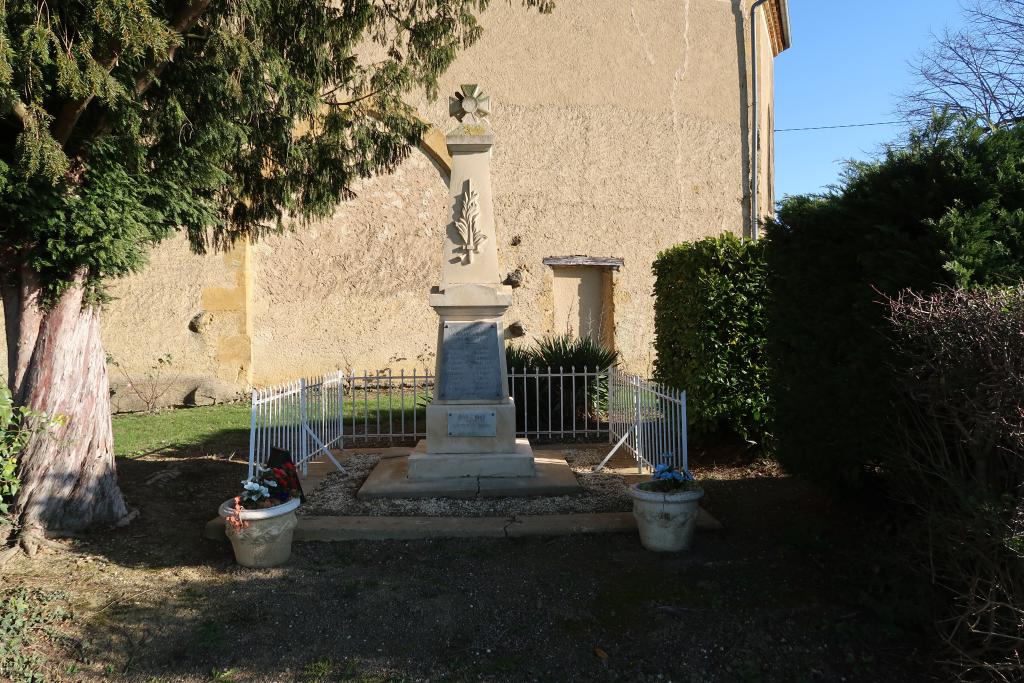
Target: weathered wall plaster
{"x": 194, "y": 308}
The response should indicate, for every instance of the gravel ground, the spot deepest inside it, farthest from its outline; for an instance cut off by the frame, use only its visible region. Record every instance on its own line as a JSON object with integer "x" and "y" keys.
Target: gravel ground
{"x": 336, "y": 494}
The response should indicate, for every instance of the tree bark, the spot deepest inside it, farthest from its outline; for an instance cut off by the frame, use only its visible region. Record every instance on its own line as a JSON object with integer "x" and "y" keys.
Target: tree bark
{"x": 68, "y": 477}
{"x": 22, "y": 316}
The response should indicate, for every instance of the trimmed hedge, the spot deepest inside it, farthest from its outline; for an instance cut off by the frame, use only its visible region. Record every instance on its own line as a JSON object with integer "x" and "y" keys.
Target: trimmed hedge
{"x": 709, "y": 322}
{"x": 946, "y": 209}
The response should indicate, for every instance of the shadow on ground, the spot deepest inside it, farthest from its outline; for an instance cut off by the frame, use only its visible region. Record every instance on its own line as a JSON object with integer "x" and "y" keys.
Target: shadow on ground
{"x": 772, "y": 598}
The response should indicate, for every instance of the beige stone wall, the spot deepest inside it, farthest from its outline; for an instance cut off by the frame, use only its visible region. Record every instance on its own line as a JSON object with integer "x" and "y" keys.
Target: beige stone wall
{"x": 621, "y": 130}
{"x": 611, "y": 142}
{"x": 191, "y": 308}
{"x": 766, "y": 114}
{"x": 351, "y": 292}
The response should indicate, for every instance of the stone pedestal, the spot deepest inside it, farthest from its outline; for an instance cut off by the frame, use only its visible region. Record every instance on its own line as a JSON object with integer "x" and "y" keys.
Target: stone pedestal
{"x": 471, "y": 423}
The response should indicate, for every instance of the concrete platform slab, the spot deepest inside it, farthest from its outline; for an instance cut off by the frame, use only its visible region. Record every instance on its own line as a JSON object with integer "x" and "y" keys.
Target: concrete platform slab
{"x": 565, "y": 525}
{"x": 414, "y": 528}
{"x": 553, "y": 477}
{"x": 398, "y": 528}
{"x": 389, "y": 479}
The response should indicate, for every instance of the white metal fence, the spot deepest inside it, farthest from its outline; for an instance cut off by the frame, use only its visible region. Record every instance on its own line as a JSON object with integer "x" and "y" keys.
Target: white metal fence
{"x": 344, "y": 409}
{"x": 310, "y": 417}
{"x": 648, "y": 420}
{"x": 560, "y": 403}
{"x": 302, "y": 417}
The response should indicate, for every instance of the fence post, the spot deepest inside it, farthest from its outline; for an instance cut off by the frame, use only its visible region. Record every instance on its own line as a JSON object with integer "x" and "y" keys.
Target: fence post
{"x": 303, "y": 443}
{"x": 322, "y": 399}
{"x": 683, "y": 428}
{"x": 639, "y": 427}
{"x": 342, "y": 378}
{"x": 252, "y": 436}
{"x": 609, "y": 407}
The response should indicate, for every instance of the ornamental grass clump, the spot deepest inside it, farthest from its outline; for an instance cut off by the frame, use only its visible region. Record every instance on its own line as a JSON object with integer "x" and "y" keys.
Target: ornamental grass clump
{"x": 556, "y": 379}
{"x": 667, "y": 479}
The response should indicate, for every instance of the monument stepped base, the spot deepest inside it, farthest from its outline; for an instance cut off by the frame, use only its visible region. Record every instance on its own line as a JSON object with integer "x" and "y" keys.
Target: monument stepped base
{"x": 552, "y": 476}
{"x": 426, "y": 465}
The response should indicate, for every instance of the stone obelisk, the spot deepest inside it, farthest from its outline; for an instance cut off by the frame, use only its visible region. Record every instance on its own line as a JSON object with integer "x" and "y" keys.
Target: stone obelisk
{"x": 471, "y": 422}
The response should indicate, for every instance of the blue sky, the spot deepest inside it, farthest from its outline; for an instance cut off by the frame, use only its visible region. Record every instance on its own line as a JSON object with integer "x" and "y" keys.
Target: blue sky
{"x": 848, "y": 64}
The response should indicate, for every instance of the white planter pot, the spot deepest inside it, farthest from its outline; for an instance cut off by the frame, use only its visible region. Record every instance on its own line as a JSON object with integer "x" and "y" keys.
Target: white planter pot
{"x": 666, "y": 521}
{"x": 266, "y": 540}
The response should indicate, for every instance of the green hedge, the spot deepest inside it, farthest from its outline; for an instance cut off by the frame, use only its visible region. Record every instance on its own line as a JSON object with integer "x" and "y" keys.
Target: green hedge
{"x": 946, "y": 209}
{"x": 709, "y": 322}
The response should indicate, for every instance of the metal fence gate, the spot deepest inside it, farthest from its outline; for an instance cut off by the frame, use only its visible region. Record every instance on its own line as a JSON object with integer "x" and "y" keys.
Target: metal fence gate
{"x": 648, "y": 420}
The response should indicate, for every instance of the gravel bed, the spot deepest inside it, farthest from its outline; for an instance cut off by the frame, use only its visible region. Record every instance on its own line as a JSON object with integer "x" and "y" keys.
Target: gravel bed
{"x": 336, "y": 495}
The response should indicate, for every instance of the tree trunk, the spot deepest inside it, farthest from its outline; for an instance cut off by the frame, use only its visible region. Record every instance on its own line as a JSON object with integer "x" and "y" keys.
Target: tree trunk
{"x": 57, "y": 366}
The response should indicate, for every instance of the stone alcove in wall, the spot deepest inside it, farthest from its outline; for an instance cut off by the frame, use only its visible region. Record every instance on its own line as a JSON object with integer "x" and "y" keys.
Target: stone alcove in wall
{"x": 583, "y": 296}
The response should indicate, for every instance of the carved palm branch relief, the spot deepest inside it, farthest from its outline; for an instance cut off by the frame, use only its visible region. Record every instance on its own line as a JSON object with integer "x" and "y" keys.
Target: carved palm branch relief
{"x": 471, "y": 235}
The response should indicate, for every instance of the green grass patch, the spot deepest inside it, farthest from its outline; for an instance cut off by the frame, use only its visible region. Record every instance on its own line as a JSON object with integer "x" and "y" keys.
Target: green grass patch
{"x": 214, "y": 428}
{"x": 224, "y": 428}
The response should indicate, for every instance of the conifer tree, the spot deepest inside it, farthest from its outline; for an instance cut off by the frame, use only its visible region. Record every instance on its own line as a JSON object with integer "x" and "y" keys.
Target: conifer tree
{"x": 124, "y": 121}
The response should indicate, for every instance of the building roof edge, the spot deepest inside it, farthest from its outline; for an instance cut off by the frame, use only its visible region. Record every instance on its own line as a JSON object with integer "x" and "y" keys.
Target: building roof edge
{"x": 779, "y": 26}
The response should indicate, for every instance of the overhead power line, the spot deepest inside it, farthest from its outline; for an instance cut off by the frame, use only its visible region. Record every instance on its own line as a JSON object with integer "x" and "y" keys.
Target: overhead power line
{"x": 848, "y": 125}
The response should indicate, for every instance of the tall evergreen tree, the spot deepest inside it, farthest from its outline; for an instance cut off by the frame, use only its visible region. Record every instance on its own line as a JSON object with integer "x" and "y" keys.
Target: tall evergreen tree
{"x": 123, "y": 121}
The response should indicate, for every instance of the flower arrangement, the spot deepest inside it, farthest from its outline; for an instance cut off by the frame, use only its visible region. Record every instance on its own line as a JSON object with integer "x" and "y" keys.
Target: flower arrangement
{"x": 667, "y": 479}
{"x": 270, "y": 486}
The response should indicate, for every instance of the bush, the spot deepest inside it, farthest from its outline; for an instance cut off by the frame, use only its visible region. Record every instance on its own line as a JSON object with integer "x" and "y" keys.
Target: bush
{"x": 17, "y": 424}
{"x": 946, "y": 209}
{"x": 565, "y": 352}
{"x": 958, "y": 464}
{"x": 13, "y": 436}
{"x": 518, "y": 357}
{"x": 709, "y": 322}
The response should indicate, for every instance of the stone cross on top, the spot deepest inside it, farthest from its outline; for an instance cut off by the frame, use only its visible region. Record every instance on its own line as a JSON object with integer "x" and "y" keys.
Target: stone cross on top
{"x": 470, "y": 105}
{"x": 470, "y": 247}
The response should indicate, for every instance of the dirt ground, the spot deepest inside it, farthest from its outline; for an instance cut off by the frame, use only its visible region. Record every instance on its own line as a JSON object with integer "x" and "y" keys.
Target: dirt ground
{"x": 777, "y": 596}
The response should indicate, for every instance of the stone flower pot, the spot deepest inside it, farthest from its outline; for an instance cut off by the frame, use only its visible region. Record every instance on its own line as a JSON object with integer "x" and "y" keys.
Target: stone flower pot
{"x": 666, "y": 521}
{"x": 266, "y": 541}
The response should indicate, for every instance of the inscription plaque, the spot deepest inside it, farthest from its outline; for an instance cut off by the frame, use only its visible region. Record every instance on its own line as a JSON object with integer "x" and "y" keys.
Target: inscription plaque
{"x": 471, "y": 368}
{"x": 472, "y": 423}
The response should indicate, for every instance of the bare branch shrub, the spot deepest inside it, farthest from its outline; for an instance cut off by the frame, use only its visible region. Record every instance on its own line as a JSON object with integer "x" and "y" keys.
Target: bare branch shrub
{"x": 958, "y": 463}
{"x": 153, "y": 385}
{"x": 976, "y": 71}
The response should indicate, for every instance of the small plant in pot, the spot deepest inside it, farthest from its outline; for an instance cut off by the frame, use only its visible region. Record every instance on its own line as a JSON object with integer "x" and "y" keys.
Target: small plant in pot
{"x": 260, "y": 520}
{"x": 666, "y": 509}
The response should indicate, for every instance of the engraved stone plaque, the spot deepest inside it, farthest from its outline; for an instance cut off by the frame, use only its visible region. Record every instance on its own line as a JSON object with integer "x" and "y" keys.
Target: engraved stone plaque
{"x": 472, "y": 423}
{"x": 471, "y": 364}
